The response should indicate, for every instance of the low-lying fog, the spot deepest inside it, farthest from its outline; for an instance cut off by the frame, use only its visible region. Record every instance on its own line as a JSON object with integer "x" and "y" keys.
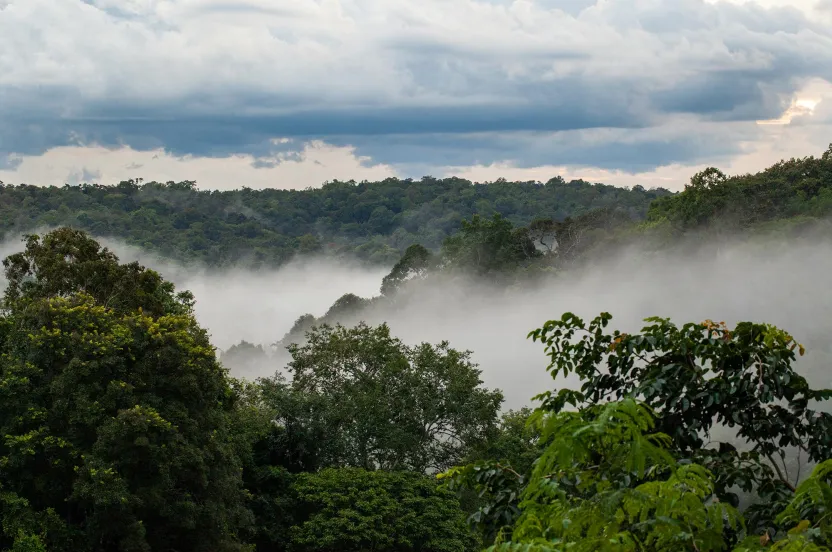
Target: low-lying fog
{"x": 788, "y": 286}
{"x": 784, "y": 284}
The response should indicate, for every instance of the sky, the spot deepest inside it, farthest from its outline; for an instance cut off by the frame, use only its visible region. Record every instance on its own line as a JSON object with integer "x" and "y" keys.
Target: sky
{"x": 292, "y": 93}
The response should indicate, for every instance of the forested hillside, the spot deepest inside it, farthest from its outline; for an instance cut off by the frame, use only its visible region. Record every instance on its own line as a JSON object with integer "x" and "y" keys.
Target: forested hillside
{"x": 375, "y": 221}
{"x": 378, "y": 221}
{"x": 795, "y": 188}
{"x": 122, "y": 432}
{"x": 791, "y": 199}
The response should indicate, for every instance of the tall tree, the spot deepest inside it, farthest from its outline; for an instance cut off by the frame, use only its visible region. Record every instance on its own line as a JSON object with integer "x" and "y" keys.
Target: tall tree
{"x": 488, "y": 245}
{"x": 414, "y": 263}
{"x": 114, "y": 410}
{"x": 382, "y": 404}
{"x": 697, "y": 377}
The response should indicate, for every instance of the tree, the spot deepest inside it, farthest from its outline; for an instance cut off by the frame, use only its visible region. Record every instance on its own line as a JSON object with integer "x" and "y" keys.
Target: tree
{"x": 67, "y": 262}
{"x": 494, "y": 476}
{"x": 695, "y": 377}
{"x": 414, "y": 264}
{"x": 606, "y": 483}
{"x": 382, "y": 404}
{"x": 515, "y": 443}
{"x": 246, "y": 358}
{"x": 269, "y": 457}
{"x": 484, "y": 246}
{"x": 346, "y": 305}
{"x": 114, "y": 410}
{"x": 613, "y": 475}
{"x": 353, "y": 510}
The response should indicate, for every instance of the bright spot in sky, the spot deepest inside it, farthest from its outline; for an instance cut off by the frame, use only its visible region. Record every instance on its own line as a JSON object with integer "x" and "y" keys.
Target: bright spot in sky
{"x": 799, "y": 107}
{"x": 807, "y": 104}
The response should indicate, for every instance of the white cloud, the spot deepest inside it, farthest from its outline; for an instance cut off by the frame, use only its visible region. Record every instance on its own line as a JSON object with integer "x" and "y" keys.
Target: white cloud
{"x": 310, "y": 51}
{"x": 315, "y": 164}
{"x": 142, "y": 73}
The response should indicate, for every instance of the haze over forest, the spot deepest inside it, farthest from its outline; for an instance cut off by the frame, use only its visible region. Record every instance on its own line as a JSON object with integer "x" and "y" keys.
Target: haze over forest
{"x": 321, "y": 294}
{"x": 396, "y": 276}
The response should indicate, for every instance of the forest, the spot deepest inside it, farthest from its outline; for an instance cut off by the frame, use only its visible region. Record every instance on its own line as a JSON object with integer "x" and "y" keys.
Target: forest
{"x": 373, "y": 221}
{"x": 789, "y": 201}
{"x": 124, "y": 430}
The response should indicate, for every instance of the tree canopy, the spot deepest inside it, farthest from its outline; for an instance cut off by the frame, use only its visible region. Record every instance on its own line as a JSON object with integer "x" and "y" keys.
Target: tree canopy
{"x": 377, "y": 403}
{"x": 120, "y": 430}
{"x": 353, "y": 510}
{"x": 374, "y": 221}
{"x": 114, "y": 411}
{"x": 626, "y": 463}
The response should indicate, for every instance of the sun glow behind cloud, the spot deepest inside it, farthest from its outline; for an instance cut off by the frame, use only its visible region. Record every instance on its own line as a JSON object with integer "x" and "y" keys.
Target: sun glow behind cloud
{"x": 799, "y": 108}
{"x": 807, "y": 104}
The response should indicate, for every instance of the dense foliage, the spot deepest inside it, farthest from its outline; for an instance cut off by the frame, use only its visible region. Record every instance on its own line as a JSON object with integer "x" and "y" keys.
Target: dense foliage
{"x": 631, "y": 466}
{"x": 114, "y": 413}
{"x": 794, "y": 188}
{"x": 121, "y": 431}
{"x": 375, "y": 221}
{"x": 376, "y": 403}
{"x": 355, "y": 509}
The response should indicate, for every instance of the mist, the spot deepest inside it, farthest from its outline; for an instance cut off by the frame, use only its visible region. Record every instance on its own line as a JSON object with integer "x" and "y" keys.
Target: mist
{"x": 787, "y": 287}
{"x": 775, "y": 282}
{"x": 778, "y": 282}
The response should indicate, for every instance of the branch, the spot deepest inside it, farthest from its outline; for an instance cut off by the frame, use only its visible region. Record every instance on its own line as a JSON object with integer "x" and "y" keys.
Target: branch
{"x": 780, "y": 473}
{"x": 510, "y": 470}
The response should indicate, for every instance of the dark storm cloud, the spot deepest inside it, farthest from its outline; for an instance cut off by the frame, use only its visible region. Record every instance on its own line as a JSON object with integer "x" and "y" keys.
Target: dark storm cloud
{"x": 485, "y": 82}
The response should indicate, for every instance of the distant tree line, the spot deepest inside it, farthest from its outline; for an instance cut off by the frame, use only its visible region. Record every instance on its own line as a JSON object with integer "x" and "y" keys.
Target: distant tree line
{"x": 374, "y": 221}
{"x": 794, "y": 191}
{"x": 378, "y": 221}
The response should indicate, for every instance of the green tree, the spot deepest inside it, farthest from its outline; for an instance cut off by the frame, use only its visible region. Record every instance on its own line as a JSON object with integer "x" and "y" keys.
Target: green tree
{"x": 606, "y": 483}
{"x": 353, "y": 510}
{"x": 114, "y": 411}
{"x": 515, "y": 443}
{"x": 484, "y": 245}
{"x": 346, "y": 305}
{"x": 66, "y": 262}
{"x": 695, "y": 377}
{"x": 382, "y": 404}
{"x": 671, "y": 386}
{"x": 414, "y": 264}
{"x": 496, "y": 473}
{"x": 270, "y": 455}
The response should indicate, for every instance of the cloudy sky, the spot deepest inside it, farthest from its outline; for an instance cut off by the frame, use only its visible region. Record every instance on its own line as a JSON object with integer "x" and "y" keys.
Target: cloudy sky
{"x": 290, "y": 93}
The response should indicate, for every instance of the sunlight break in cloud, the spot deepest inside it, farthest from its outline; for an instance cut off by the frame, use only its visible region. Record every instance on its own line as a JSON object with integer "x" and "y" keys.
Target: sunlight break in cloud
{"x": 804, "y": 128}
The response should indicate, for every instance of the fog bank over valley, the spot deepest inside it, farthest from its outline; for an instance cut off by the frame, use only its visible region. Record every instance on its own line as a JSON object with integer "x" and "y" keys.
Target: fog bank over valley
{"x": 785, "y": 285}
{"x": 256, "y": 306}
{"x": 776, "y": 284}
